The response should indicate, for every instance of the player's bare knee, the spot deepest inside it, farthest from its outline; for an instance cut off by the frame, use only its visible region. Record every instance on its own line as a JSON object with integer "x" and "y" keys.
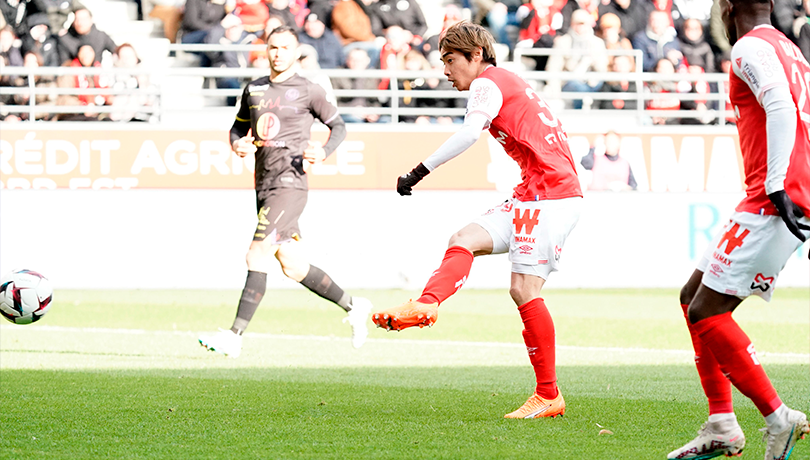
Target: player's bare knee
{"x": 253, "y": 256}
{"x": 516, "y": 294}
{"x": 521, "y": 293}
{"x": 695, "y": 313}
{"x": 457, "y": 239}
{"x": 293, "y": 269}
{"x": 686, "y": 295}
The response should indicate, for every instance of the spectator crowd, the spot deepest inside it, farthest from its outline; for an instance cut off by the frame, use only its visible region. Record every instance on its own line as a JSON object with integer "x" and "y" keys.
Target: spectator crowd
{"x": 673, "y": 37}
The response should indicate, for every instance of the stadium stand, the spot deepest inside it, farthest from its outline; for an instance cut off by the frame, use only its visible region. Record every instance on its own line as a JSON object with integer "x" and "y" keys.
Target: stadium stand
{"x": 188, "y": 94}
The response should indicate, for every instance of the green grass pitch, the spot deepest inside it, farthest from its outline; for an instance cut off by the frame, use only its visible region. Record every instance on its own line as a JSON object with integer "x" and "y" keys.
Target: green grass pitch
{"x": 120, "y": 375}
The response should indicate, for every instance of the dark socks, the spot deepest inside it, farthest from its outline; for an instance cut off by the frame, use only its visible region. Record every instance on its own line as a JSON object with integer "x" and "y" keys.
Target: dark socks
{"x": 255, "y": 286}
{"x": 320, "y": 283}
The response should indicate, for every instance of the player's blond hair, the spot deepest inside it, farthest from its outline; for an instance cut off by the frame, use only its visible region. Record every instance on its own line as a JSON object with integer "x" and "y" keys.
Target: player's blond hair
{"x": 465, "y": 38}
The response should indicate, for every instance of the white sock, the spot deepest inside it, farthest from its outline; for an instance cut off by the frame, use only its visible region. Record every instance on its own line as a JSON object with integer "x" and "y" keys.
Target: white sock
{"x": 724, "y": 422}
{"x": 728, "y": 416}
{"x": 778, "y": 420}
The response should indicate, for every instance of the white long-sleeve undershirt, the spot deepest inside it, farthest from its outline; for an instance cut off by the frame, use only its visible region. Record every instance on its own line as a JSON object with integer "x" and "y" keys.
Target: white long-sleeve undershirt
{"x": 780, "y": 125}
{"x": 460, "y": 141}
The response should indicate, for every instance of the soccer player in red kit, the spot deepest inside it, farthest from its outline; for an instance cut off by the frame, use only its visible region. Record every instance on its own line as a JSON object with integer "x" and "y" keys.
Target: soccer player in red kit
{"x": 769, "y": 86}
{"x": 531, "y": 226}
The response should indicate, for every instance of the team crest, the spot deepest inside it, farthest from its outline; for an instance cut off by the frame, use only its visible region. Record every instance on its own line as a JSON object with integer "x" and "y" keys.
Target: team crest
{"x": 291, "y": 94}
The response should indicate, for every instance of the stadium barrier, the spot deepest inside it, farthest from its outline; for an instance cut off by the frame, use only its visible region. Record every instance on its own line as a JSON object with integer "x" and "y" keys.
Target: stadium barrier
{"x": 179, "y": 90}
{"x": 146, "y": 207}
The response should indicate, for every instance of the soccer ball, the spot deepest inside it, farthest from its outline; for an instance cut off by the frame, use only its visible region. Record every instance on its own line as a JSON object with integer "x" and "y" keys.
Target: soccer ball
{"x": 25, "y": 296}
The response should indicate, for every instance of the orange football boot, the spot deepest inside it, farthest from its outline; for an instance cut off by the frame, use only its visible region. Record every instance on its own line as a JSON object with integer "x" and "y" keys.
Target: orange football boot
{"x": 409, "y": 314}
{"x": 537, "y": 407}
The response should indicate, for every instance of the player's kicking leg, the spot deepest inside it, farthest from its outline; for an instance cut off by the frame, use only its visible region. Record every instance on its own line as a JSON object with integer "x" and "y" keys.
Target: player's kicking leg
{"x": 464, "y": 245}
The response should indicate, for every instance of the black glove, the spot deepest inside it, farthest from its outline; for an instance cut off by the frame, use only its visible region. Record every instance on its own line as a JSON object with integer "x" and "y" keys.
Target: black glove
{"x": 406, "y": 181}
{"x": 297, "y": 162}
{"x": 789, "y": 212}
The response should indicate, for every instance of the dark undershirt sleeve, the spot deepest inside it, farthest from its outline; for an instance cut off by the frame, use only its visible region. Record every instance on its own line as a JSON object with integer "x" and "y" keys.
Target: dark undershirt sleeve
{"x": 337, "y": 133}
{"x": 328, "y": 114}
{"x": 241, "y": 125}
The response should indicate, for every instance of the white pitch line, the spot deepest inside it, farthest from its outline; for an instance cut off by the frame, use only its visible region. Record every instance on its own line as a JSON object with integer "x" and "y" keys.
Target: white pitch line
{"x": 319, "y": 338}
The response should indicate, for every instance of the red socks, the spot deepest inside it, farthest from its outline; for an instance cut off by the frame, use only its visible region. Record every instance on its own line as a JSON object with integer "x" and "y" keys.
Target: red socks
{"x": 735, "y": 354}
{"x": 715, "y": 384}
{"x": 538, "y": 334}
{"x": 450, "y": 276}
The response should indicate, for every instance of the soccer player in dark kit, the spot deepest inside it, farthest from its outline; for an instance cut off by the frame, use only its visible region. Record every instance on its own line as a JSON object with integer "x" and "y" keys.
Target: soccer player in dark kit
{"x": 274, "y": 122}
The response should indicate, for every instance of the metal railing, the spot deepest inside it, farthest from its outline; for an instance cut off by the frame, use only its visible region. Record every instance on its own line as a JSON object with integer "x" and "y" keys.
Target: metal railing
{"x": 212, "y": 98}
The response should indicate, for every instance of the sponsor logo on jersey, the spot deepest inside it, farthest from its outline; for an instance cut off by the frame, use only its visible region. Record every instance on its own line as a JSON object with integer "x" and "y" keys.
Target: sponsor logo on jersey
{"x": 748, "y": 74}
{"x": 252, "y": 88}
{"x": 762, "y": 282}
{"x": 270, "y": 143}
{"x": 721, "y": 259}
{"x": 526, "y": 249}
{"x": 732, "y": 239}
{"x": 528, "y": 220}
{"x": 291, "y": 94}
{"x": 524, "y": 239}
{"x": 557, "y": 253}
{"x": 716, "y": 270}
{"x": 267, "y": 126}
{"x": 480, "y": 96}
{"x": 769, "y": 62}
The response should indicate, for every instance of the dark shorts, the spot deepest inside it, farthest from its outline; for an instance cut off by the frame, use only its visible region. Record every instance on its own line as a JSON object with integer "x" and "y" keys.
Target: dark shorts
{"x": 279, "y": 210}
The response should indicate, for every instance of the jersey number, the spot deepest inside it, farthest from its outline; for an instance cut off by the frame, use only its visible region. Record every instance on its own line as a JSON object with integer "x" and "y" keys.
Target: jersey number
{"x": 545, "y": 110}
{"x": 804, "y": 85}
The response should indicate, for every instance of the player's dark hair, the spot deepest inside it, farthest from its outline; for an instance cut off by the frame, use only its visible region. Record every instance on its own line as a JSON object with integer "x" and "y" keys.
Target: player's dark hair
{"x": 466, "y": 37}
{"x": 284, "y": 29}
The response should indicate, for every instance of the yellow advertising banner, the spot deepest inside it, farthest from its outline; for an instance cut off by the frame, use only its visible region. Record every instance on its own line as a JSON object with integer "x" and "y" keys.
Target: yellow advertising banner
{"x": 188, "y": 159}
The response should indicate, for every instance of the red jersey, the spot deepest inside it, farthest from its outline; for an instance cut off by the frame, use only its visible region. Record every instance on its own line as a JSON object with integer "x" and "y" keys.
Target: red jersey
{"x": 762, "y": 59}
{"x": 531, "y": 135}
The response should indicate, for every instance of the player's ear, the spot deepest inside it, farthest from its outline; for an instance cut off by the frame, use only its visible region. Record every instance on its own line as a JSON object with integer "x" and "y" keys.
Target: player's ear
{"x": 478, "y": 54}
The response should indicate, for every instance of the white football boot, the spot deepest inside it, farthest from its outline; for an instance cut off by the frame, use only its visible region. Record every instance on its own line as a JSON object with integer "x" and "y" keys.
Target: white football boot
{"x": 781, "y": 444}
{"x": 713, "y": 440}
{"x": 225, "y": 341}
{"x": 358, "y": 320}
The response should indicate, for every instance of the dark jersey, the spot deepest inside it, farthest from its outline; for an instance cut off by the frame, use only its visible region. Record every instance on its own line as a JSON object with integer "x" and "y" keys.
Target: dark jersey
{"x": 281, "y": 116}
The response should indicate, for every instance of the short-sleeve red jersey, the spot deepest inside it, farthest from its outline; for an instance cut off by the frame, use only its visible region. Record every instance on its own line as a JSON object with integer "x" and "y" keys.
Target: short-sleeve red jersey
{"x": 754, "y": 71}
{"x": 534, "y": 138}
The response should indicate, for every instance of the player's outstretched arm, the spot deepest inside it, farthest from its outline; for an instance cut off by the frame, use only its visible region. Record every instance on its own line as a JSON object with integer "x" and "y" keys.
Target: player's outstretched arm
{"x": 457, "y": 143}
